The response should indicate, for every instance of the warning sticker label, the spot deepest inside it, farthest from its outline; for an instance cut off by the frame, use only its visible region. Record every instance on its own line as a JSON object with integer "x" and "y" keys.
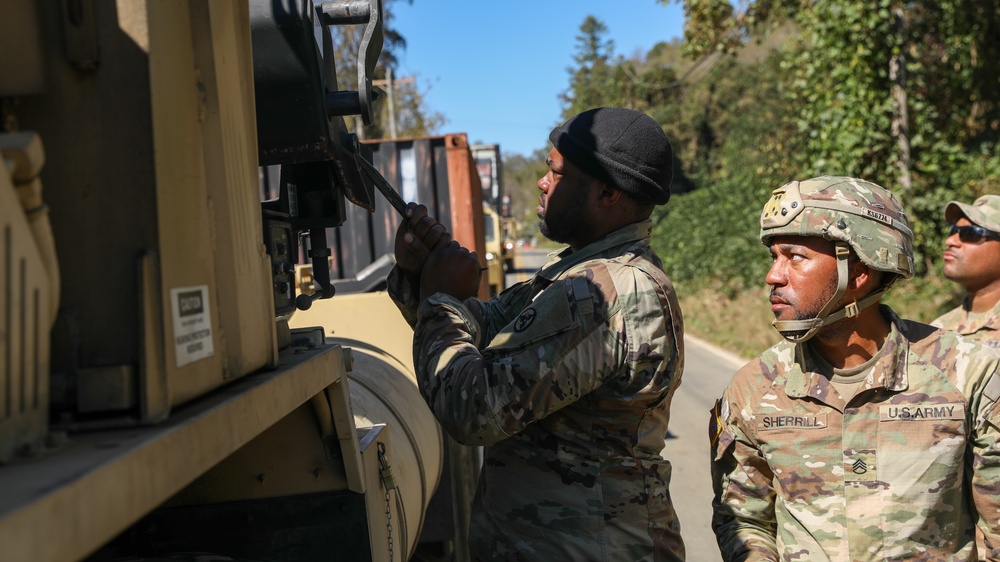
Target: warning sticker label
{"x": 192, "y": 324}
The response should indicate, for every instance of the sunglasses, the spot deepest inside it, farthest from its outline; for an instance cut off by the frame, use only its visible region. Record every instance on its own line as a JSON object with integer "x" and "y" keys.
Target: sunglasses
{"x": 973, "y": 234}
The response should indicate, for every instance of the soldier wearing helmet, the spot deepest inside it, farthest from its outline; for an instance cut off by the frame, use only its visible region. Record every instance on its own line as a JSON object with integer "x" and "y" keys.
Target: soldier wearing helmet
{"x": 863, "y": 436}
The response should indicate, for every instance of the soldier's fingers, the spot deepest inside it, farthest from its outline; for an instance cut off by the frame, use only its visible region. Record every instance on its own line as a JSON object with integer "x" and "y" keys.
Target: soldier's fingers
{"x": 445, "y": 239}
{"x": 424, "y": 227}
{"x": 416, "y": 246}
{"x": 416, "y": 214}
{"x": 433, "y": 238}
{"x": 463, "y": 253}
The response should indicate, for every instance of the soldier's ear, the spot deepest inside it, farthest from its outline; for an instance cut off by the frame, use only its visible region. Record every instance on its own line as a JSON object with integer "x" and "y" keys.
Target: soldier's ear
{"x": 863, "y": 276}
{"x": 607, "y": 196}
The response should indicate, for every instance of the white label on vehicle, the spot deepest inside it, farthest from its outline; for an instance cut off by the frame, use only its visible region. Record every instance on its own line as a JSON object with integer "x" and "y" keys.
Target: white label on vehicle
{"x": 192, "y": 324}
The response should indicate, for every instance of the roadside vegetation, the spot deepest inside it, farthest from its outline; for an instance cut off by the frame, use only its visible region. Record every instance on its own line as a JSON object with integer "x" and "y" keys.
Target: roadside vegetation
{"x": 905, "y": 94}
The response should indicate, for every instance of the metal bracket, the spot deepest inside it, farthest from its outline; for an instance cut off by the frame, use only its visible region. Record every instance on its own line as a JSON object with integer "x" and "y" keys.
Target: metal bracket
{"x": 368, "y": 12}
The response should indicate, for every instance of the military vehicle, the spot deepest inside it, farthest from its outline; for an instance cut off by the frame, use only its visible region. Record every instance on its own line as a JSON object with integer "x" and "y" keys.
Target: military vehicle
{"x": 493, "y": 228}
{"x": 501, "y": 252}
{"x": 161, "y": 396}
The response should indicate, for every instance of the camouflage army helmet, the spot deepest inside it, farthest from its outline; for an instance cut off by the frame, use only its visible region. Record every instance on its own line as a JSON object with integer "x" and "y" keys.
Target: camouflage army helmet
{"x": 862, "y": 214}
{"x": 852, "y": 213}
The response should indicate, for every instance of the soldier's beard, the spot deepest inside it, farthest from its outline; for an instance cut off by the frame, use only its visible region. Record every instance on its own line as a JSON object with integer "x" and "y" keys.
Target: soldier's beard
{"x": 817, "y": 305}
{"x": 565, "y": 223}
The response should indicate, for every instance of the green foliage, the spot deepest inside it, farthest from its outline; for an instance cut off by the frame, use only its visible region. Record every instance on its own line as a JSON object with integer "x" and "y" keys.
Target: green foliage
{"x": 776, "y": 90}
{"x": 521, "y": 176}
{"x": 591, "y": 82}
{"x": 709, "y": 25}
{"x": 715, "y": 26}
{"x": 838, "y": 95}
{"x": 923, "y": 298}
{"x": 731, "y": 127}
{"x": 713, "y": 229}
{"x": 604, "y": 79}
{"x": 841, "y": 85}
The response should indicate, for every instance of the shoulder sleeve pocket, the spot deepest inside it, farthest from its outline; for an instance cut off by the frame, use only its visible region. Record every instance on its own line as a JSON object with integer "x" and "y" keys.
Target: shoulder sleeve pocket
{"x": 719, "y": 435}
{"x": 548, "y": 315}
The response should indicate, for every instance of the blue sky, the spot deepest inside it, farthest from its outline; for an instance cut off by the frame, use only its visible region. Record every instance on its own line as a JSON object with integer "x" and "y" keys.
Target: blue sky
{"x": 495, "y": 69}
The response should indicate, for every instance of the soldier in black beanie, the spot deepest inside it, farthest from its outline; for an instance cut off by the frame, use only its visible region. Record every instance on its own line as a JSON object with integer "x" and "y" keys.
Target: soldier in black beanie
{"x": 625, "y": 153}
{"x": 622, "y": 147}
{"x": 566, "y": 380}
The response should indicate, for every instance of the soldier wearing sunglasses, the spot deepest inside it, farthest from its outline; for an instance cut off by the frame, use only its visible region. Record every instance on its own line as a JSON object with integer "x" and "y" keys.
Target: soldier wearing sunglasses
{"x": 972, "y": 259}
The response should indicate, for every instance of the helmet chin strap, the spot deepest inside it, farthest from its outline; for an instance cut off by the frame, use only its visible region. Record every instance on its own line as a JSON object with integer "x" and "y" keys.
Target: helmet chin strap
{"x": 798, "y": 331}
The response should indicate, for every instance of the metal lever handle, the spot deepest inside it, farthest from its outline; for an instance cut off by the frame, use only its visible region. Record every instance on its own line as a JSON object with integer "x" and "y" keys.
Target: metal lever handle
{"x": 319, "y": 253}
{"x": 304, "y": 302}
{"x": 383, "y": 186}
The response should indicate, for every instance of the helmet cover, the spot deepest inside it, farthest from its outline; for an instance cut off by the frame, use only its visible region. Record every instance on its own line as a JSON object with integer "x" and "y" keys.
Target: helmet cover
{"x": 841, "y": 209}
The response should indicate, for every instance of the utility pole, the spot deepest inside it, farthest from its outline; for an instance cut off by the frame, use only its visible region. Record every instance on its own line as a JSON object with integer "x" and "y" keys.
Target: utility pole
{"x": 389, "y": 88}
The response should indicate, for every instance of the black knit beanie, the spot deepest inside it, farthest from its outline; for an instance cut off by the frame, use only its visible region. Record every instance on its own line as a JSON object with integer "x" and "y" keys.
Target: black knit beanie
{"x": 622, "y": 147}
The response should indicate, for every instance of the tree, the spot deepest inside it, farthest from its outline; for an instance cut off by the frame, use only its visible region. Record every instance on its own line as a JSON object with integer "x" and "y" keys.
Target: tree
{"x": 413, "y": 117}
{"x": 735, "y": 134}
{"x": 903, "y": 93}
{"x": 521, "y": 182}
{"x": 591, "y": 81}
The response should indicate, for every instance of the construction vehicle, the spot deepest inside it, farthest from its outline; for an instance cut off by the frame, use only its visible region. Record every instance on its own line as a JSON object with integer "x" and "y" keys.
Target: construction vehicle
{"x": 501, "y": 249}
{"x": 493, "y": 229}
{"x": 161, "y": 396}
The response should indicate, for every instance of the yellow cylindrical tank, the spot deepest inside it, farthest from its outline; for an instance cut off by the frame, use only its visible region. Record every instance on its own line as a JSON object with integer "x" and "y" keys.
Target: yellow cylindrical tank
{"x": 384, "y": 391}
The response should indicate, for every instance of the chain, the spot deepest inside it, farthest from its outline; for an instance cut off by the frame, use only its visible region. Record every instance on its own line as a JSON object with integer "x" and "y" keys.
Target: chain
{"x": 388, "y": 524}
{"x": 390, "y": 484}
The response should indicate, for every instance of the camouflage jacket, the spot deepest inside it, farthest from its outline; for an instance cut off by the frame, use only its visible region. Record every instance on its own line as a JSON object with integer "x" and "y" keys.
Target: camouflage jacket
{"x": 567, "y": 380}
{"x": 984, "y": 329}
{"x": 900, "y": 471}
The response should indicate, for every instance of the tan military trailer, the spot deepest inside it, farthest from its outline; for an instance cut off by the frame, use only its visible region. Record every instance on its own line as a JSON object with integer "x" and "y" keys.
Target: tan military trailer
{"x": 156, "y": 401}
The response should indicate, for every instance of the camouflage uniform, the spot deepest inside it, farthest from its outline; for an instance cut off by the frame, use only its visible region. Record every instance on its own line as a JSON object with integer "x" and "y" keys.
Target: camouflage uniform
{"x": 803, "y": 476}
{"x": 906, "y": 468}
{"x": 983, "y": 328}
{"x": 566, "y": 380}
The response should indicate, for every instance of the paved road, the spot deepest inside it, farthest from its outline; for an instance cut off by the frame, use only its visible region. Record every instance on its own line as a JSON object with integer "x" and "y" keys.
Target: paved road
{"x": 707, "y": 371}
